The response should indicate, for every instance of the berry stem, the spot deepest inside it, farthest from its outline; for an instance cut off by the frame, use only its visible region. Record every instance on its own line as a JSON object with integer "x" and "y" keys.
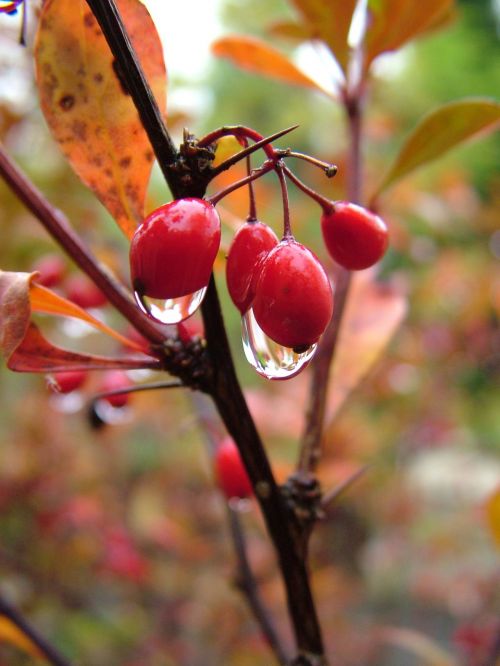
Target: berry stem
{"x": 256, "y": 173}
{"x": 252, "y": 205}
{"x": 287, "y": 230}
{"x": 327, "y": 205}
{"x": 329, "y": 169}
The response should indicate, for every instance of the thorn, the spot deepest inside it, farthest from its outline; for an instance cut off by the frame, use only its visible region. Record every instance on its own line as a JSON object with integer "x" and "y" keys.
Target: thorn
{"x": 251, "y": 149}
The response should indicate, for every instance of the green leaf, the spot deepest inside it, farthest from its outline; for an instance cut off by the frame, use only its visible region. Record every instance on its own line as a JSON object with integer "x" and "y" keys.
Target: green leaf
{"x": 440, "y": 131}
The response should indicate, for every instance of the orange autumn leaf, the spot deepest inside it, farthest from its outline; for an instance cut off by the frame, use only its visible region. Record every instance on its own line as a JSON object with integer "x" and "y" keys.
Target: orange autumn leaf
{"x": 493, "y": 515}
{"x": 393, "y": 23}
{"x": 330, "y": 21}
{"x": 46, "y": 301}
{"x": 90, "y": 115}
{"x": 11, "y": 634}
{"x": 256, "y": 56}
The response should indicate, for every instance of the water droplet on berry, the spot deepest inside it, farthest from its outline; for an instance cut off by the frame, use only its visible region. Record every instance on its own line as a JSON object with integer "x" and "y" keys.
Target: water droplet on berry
{"x": 170, "y": 310}
{"x": 270, "y": 359}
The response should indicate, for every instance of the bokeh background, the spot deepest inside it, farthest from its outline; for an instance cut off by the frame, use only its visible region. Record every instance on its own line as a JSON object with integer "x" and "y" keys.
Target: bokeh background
{"x": 114, "y": 540}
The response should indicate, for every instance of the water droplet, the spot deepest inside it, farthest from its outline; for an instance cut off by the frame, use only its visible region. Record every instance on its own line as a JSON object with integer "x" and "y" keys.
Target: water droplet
{"x": 270, "y": 359}
{"x": 171, "y": 310}
{"x": 112, "y": 415}
{"x": 66, "y": 403}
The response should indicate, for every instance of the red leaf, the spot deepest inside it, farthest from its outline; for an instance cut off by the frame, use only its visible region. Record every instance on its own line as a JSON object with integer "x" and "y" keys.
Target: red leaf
{"x": 36, "y": 354}
{"x": 25, "y": 348}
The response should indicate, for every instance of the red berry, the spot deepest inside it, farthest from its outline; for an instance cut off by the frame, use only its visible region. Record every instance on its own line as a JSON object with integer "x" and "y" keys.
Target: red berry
{"x": 172, "y": 252}
{"x": 355, "y": 237}
{"x": 68, "y": 381}
{"x": 112, "y": 381}
{"x": 51, "y": 268}
{"x": 83, "y": 292}
{"x": 293, "y": 299}
{"x": 230, "y": 472}
{"x": 250, "y": 245}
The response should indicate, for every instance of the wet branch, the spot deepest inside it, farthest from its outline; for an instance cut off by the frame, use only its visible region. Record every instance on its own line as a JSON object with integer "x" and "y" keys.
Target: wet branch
{"x": 225, "y": 388}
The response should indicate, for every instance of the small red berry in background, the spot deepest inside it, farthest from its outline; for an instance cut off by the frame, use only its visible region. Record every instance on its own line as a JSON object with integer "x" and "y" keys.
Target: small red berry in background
{"x": 51, "y": 268}
{"x": 293, "y": 301}
{"x": 230, "y": 473}
{"x": 355, "y": 237}
{"x": 251, "y": 243}
{"x": 68, "y": 381}
{"x": 83, "y": 292}
{"x": 173, "y": 251}
{"x": 114, "y": 380}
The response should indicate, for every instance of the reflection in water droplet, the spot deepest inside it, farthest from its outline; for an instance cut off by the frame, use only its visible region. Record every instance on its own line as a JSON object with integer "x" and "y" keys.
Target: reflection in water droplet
{"x": 66, "y": 403}
{"x": 171, "y": 310}
{"x": 112, "y": 415}
{"x": 270, "y": 359}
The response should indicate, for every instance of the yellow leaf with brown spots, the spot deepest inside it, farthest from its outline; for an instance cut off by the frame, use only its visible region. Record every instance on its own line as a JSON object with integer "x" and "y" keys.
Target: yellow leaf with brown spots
{"x": 90, "y": 114}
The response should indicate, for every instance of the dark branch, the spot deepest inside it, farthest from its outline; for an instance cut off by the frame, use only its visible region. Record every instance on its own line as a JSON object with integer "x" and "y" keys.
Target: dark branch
{"x": 51, "y": 653}
{"x": 246, "y": 583}
{"x": 59, "y": 228}
{"x": 130, "y": 71}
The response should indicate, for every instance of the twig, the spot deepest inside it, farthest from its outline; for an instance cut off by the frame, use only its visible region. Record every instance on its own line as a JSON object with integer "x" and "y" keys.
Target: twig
{"x": 321, "y": 364}
{"x": 334, "y": 494}
{"x": 49, "y": 651}
{"x": 313, "y": 431}
{"x": 246, "y": 583}
{"x": 152, "y": 386}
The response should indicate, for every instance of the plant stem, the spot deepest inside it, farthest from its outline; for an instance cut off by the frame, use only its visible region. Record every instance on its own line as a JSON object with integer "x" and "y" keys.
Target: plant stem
{"x": 59, "y": 228}
{"x": 310, "y": 449}
{"x": 225, "y": 388}
{"x": 51, "y": 653}
{"x": 233, "y": 409}
{"x": 245, "y": 581}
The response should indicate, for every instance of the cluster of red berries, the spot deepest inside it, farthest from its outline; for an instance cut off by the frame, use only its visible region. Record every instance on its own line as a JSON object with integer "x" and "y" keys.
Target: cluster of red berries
{"x": 284, "y": 283}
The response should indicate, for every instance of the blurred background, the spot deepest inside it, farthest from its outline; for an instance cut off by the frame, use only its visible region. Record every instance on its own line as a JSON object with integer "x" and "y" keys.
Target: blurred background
{"x": 113, "y": 539}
